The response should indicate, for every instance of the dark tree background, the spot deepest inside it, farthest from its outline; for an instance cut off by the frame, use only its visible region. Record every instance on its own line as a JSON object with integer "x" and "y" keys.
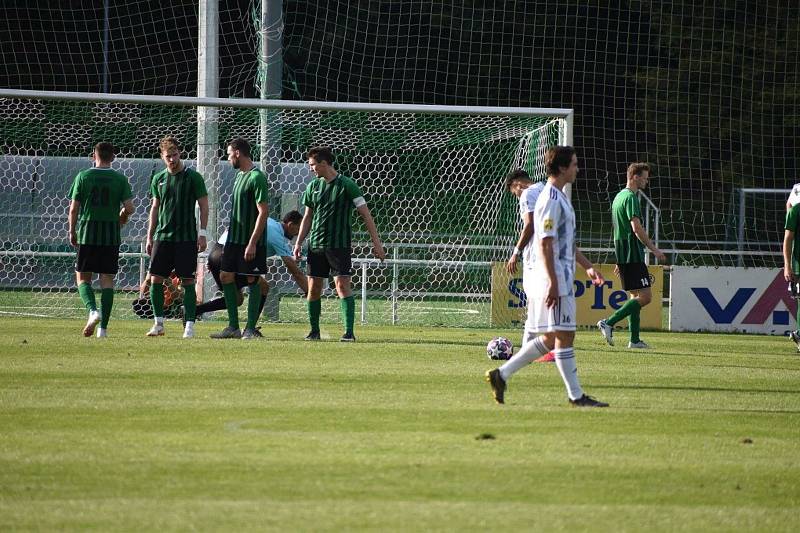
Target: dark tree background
{"x": 706, "y": 91}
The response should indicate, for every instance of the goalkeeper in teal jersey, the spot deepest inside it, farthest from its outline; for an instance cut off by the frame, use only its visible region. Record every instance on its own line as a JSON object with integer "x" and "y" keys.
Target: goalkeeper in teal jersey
{"x": 791, "y": 261}
{"x": 100, "y": 202}
{"x": 329, "y": 200}
{"x": 630, "y": 238}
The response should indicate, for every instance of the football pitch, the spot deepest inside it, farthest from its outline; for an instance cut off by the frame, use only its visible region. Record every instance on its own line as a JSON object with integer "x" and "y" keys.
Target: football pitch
{"x": 395, "y": 432}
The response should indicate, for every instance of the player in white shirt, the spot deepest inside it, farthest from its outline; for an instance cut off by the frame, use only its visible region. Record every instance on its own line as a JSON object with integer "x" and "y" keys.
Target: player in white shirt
{"x": 551, "y": 298}
{"x": 523, "y": 187}
{"x": 794, "y": 197}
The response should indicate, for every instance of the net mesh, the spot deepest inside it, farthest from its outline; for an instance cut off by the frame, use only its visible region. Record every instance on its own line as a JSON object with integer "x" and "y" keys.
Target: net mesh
{"x": 433, "y": 182}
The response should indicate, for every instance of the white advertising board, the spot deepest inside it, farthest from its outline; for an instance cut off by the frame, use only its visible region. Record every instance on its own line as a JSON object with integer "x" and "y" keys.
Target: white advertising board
{"x": 748, "y": 300}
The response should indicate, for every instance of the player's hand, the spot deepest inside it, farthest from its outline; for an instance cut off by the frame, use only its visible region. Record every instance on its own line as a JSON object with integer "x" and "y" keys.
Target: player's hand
{"x": 297, "y": 252}
{"x": 250, "y": 252}
{"x": 552, "y": 294}
{"x": 661, "y": 256}
{"x": 596, "y": 277}
{"x": 202, "y": 244}
{"x": 148, "y": 248}
{"x": 73, "y": 238}
{"x": 616, "y": 270}
{"x": 379, "y": 252}
{"x": 123, "y": 217}
{"x": 511, "y": 266}
{"x": 788, "y": 275}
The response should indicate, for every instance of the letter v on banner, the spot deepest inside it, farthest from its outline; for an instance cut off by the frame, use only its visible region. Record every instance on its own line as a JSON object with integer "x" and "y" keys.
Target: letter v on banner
{"x": 776, "y": 292}
{"x": 719, "y": 314}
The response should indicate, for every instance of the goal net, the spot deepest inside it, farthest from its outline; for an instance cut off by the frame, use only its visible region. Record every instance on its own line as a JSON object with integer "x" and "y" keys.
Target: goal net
{"x": 433, "y": 179}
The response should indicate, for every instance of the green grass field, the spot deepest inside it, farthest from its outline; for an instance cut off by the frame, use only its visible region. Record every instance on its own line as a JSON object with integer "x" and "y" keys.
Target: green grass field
{"x": 396, "y": 432}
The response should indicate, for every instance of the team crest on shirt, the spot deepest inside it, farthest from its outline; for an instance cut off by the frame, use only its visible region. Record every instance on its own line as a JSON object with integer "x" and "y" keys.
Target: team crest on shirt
{"x": 548, "y": 224}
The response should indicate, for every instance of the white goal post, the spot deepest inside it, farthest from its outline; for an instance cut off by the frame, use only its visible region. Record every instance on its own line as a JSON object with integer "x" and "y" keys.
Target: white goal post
{"x": 432, "y": 175}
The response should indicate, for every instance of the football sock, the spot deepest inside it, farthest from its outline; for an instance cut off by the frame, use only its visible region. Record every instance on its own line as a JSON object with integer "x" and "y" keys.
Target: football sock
{"x": 230, "y": 292}
{"x": 528, "y": 336}
{"x": 314, "y": 311}
{"x": 189, "y": 303}
{"x": 87, "y": 296}
{"x": 216, "y": 304}
{"x": 633, "y": 322}
{"x": 568, "y": 368}
{"x": 527, "y": 353}
{"x": 348, "y": 308}
{"x": 253, "y": 301}
{"x": 624, "y": 311}
{"x": 157, "y": 298}
{"x": 106, "y": 304}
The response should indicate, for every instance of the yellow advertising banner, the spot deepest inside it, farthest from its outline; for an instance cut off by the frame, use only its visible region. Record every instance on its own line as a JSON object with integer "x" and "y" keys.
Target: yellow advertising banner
{"x": 592, "y": 303}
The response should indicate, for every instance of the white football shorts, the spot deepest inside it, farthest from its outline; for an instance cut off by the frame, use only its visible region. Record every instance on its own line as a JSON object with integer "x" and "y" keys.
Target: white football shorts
{"x": 543, "y": 319}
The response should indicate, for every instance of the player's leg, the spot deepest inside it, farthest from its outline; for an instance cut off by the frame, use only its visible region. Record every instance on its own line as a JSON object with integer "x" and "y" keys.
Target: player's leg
{"x": 106, "y": 303}
{"x": 232, "y": 262}
{"x": 318, "y": 272}
{"x": 536, "y": 342}
{"x": 185, "y": 262}
{"x": 253, "y": 306}
{"x": 634, "y": 276}
{"x": 644, "y": 296}
{"x": 84, "y": 282}
{"x": 264, "y": 286}
{"x": 254, "y": 268}
{"x": 162, "y": 261}
{"x": 314, "y": 305}
{"x": 341, "y": 268}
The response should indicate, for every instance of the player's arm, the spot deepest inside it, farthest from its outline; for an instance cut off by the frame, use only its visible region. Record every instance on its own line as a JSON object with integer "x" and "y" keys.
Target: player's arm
{"x": 305, "y": 225}
{"x": 377, "y": 247}
{"x": 788, "y": 239}
{"x": 297, "y": 274}
{"x": 546, "y": 253}
{"x": 641, "y": 234}
{"x": 594, "y": 275}
{"x": 202, "y": 235}
{"x": 524, "y": 236}
{"x": 74, "y": 209}
{"x": 126, "y": 211}
{"x": 258, "y": 231}
{"x": 151, "y": 224}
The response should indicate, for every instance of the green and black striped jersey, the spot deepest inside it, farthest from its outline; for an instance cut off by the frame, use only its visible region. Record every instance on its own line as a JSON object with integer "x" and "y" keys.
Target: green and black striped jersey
{"x": 793, "y": 224}
{"x": 249, "y": 190}
{"x": 101, "y": 192}
{"x": 331, "y": 222}
{"x": 627, "y": 246}
{"x": 177, "y": 196}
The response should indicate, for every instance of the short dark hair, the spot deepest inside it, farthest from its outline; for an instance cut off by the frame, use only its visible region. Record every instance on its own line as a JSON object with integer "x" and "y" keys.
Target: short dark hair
{"x": 516, "y": 175}
{"x": 105, "y": 151}
{"x": 240, "y": 144}
{"x": 558, "y": 157}
{"x": 292, "y": 217}
{"x": 321, "y": 153}
{"x": 636, "y": 169}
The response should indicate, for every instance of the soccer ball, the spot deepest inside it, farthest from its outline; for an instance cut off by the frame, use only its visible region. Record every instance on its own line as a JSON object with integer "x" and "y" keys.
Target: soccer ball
{"x": 499, "y": 348}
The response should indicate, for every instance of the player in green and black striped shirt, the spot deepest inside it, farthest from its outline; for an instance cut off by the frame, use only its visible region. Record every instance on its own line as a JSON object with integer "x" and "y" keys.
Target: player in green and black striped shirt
{"x": 791, "y": 260}
{"x": 630, "y": 238}
{"x": 245, "y": 252}
{"x": 327, "y": 222}
{"x": 172, "y": 237}
{"x": 95, "y": 218}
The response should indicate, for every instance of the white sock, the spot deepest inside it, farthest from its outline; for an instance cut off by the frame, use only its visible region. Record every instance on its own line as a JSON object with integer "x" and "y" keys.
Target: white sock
{"x": 528, "y": 336}
{"x": 526, "y": 354}
{"x": 568, "y": 368}
{"x": 159, "y": 321}
{"x": 190, "y": 324}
